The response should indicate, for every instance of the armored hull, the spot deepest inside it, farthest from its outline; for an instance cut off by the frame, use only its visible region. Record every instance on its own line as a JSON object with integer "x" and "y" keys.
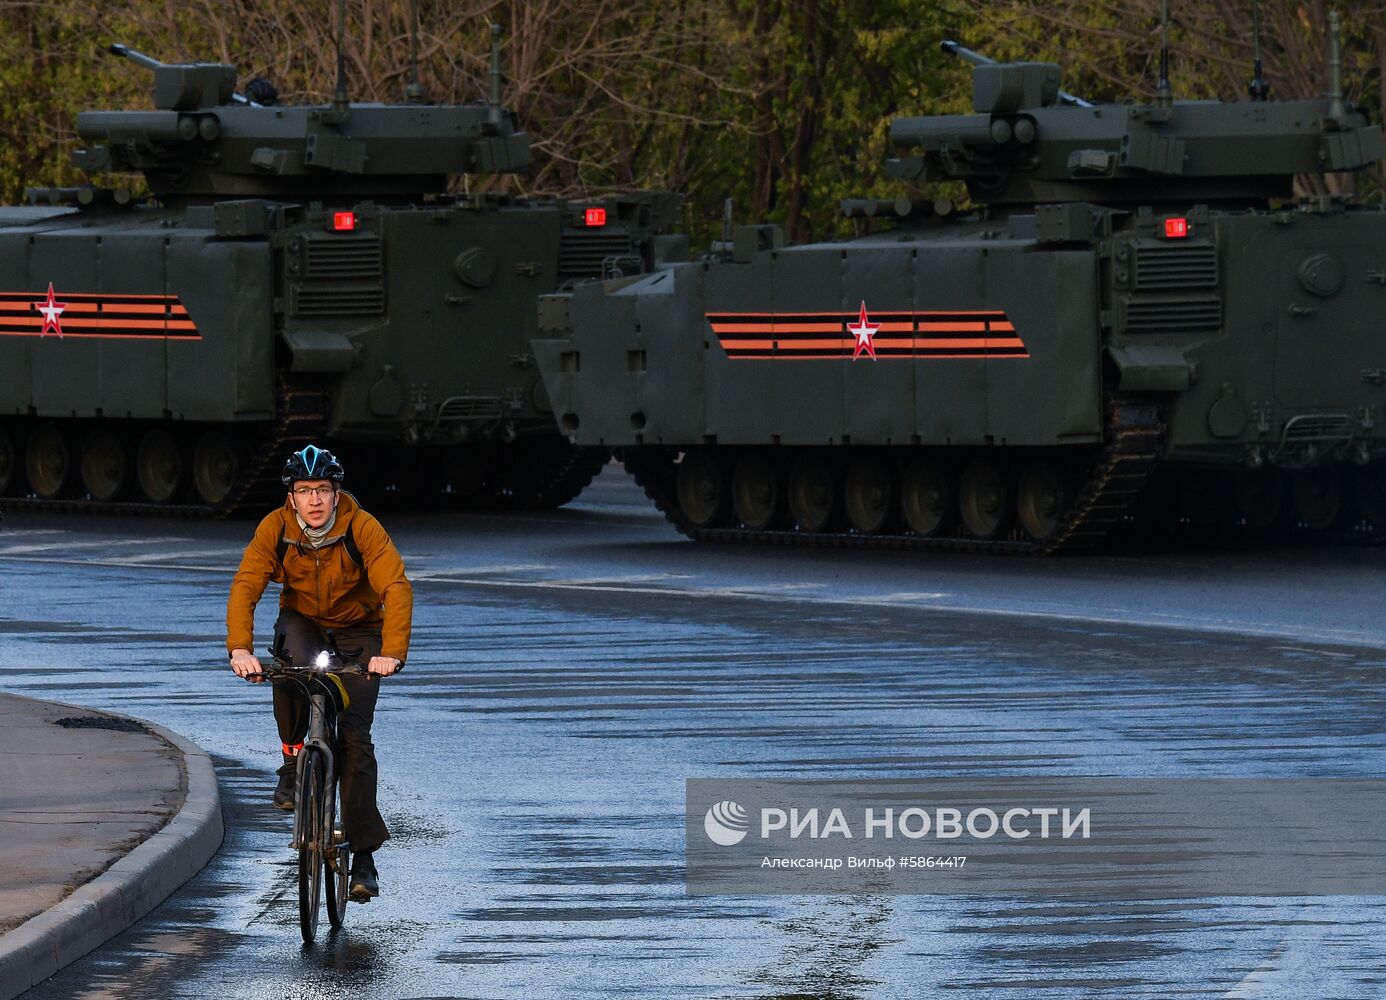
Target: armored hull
{"x": 183, "y": 349}
{"x": 1137, "y": 323}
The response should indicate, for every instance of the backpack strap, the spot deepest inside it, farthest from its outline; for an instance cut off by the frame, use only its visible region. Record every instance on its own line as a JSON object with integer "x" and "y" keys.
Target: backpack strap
{"x": 352, "y": 549}
{"x": 280, "y": 547}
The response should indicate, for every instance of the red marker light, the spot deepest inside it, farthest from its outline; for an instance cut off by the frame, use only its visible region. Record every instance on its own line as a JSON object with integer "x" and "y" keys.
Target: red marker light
{"x": 1176, "y": 229}
{"x": 594, "y": 217}
{"x": 343, "y": 222}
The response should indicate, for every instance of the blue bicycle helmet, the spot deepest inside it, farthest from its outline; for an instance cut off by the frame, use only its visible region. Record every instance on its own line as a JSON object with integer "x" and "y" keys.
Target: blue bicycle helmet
{"x": 312, "y": 462}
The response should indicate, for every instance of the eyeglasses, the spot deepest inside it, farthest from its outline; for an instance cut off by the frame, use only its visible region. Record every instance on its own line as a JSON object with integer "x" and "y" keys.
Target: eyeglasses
{"x": 314, "y": 491}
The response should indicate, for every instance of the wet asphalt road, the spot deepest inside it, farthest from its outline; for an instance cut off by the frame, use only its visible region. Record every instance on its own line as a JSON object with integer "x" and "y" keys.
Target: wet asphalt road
{"x": 570, "y": 669}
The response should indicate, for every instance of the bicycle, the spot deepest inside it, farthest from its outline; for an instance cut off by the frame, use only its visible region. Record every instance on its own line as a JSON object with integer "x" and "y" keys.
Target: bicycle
{"x": 319, "y": 839}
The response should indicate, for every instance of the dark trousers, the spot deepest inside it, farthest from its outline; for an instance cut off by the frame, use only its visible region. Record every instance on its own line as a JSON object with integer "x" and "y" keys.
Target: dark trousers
{"x": 356, "y": 768}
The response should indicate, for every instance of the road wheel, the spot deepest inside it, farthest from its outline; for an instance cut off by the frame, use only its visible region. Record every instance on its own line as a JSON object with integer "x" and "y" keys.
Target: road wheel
{"x": 984, "y": 498}
{"x": 159, "y": 466}
{"x": 702, "y": 488}
{"x": 869, "y": 495}
{"x": 1259, "y": 498}
{"x": 105, "y": 464}
{"x": 1369, "y": 487}
{"x": 49, "y": 463}
{"x": 9, "y": 461}
{"x": 757, "y": 491}
{"x": 1199, "y": 496}
{"x": 216, "y": 467}
{"x": 926, "y": 497}
{"x": 813, "y": 492}
{"x": 1318, "y": 496}
{"x": 1043, "y": 496}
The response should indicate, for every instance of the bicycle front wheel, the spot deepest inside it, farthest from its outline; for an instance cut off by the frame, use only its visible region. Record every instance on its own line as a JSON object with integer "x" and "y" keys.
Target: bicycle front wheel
{"x": 310, "y": 847}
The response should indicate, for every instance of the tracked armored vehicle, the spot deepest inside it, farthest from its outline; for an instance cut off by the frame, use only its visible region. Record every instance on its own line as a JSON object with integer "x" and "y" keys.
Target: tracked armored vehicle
{"x": 1136, "y": 319}
{"x": 299, "y": 273}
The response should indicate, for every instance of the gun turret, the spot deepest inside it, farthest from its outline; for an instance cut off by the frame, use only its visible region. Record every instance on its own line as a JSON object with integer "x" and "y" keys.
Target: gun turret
{"x": 205, "y": 142}
{"x": 977, "y": 59}
{"x": 184, "y": 86}
{"x": 1022, "y": 147}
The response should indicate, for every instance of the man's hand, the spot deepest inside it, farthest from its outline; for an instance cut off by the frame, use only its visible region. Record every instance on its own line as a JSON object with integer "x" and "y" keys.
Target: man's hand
{"x": 383, "y": 665}
{"x": 245, "y": 664}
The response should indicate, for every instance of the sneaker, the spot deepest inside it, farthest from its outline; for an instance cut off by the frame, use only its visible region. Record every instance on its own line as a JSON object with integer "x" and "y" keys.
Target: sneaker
{"x": 284, "y": 791}
{"x": 365, "y": 883}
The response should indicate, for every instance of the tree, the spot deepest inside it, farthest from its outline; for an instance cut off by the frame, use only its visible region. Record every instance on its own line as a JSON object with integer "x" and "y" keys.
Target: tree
{"x": 1112, "y": 52}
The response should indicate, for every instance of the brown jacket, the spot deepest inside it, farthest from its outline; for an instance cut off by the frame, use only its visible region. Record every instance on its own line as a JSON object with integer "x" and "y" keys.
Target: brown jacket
{"x": 325, "y": 584}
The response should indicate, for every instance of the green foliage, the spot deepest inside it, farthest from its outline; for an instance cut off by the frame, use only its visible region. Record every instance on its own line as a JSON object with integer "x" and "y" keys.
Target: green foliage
{"x": 781, "y": 105}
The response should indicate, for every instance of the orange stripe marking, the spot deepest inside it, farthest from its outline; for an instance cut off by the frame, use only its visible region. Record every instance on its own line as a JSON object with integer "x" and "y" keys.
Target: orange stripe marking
{"x": 808, "y": 328}
{"x": 97, "y": 323}
{"x": 953, "y": 327}
{"x": 900, "y": 334}
{"x": 976, "y": 342}
{"x": 841, "y": 343}
{"x": 870, "y": 312}
{"x": 78, "y": 335}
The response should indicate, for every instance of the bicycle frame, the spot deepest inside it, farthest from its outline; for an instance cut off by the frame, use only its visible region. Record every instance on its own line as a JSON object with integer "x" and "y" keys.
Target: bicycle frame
{"x": 318, "y": 739}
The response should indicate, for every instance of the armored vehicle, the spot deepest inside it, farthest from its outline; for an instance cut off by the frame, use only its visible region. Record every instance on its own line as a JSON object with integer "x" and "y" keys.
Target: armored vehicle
{"x": 1136, "y": 316}
{"x": 298, "y": 273}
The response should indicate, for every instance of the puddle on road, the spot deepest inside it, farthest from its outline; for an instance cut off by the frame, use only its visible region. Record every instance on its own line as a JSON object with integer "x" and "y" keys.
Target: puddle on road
{"x": 533, "y": 760}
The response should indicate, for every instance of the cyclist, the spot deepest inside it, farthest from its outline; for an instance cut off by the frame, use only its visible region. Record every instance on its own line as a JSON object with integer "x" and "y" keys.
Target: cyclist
{"x": 339, "y": 571}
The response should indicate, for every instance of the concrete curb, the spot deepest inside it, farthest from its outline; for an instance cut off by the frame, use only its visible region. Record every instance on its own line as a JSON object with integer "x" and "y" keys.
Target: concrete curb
{"x": 130, "y": 888}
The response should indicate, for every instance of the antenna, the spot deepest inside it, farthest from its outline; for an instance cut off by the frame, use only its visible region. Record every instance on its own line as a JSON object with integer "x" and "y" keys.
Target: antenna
{"x": 497, "y": 78}
{"x": 1337, "y": 109}
{"x": 1164, "y": 96}
{"x": 339, "y": 97}
{"x": 1258, "y": 89}
{"x": 413, "y": 92}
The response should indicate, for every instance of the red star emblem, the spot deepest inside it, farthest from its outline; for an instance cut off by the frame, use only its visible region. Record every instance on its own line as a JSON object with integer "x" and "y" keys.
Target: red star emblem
{"x": 863, "y": 332}
{"x": 51, "y": 310}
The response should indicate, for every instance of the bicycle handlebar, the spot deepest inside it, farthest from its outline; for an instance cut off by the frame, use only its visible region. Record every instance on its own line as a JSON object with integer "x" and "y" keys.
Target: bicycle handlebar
{"x": 326, "y": 663}
{"x": 329, "y": 661}
{"x": 283, "y": 668}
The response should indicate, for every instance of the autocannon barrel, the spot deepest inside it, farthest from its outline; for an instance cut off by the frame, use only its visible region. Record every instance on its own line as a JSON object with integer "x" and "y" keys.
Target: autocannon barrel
{"x": 954, "y": 49}
{"x": 148, "y": 62}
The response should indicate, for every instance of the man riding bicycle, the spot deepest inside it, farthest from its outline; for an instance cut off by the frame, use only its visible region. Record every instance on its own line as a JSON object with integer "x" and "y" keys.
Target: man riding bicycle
{"x": 339, "y": 571}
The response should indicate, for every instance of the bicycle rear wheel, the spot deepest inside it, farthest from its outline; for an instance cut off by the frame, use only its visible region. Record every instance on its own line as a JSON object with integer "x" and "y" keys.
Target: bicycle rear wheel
{"x": 310, "y": 852}
{"x": 337, "y": 860}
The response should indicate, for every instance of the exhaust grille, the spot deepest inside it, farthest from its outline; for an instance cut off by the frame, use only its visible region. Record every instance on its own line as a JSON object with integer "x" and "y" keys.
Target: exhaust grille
{"x": 339, "y": 300}
{"x": 1170, "y": 266}
{"x": 343, "y": 257}
{"x": 1173, "y": 315}
{"x": 583, "y": 254}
